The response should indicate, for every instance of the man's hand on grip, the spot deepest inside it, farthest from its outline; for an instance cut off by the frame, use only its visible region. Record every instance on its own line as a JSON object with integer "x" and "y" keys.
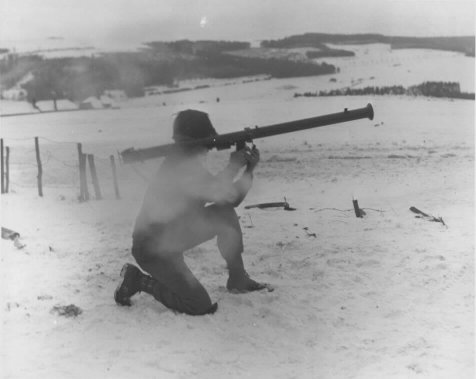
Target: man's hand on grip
{"x": 252, "y": 157}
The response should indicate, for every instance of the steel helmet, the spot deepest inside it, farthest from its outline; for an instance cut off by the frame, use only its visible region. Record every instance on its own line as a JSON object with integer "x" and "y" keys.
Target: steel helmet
{"x": 193, "y": 124}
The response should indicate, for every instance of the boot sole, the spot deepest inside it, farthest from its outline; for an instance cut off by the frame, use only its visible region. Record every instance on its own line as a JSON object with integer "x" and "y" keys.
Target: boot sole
{"x": 266, "y": 286}
{"x": 122, "y": 274}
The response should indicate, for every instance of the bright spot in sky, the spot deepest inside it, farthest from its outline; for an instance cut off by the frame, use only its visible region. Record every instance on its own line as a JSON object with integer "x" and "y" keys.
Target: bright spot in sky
{"x": 203, "y": 22}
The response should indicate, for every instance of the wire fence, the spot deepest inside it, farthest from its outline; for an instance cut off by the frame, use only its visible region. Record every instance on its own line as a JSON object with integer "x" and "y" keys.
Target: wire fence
{"x": 48, "y": 166}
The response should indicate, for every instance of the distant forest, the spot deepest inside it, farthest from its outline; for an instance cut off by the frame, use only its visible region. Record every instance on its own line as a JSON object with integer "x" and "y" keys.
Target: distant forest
{"x": 318, "y": 40}
{"x": 159, "y": 63}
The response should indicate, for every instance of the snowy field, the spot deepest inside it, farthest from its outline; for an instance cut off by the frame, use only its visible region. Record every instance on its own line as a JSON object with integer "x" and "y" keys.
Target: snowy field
{"x": 385, "y": 296}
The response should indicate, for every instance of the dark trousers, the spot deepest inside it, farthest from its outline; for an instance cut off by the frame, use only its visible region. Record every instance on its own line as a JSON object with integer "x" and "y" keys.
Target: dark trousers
{"x": 159, "y": 252}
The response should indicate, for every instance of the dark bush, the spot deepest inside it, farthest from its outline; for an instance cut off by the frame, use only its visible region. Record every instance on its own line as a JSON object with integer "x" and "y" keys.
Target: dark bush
{"x": 431, "y": 89}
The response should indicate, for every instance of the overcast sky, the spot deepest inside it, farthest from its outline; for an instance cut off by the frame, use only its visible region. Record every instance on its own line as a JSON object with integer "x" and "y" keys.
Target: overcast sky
{"x": 126, "y": 22}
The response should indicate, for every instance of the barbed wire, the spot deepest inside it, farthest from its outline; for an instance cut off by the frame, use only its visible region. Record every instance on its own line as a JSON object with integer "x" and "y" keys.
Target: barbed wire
{"x": 50, "y": 155}
{"x": 75, "y": 166}
{"x": 372, "y": 209}
{"x": 346, "y": 210}
{"x": 40, "y": 138}
{"x": 50, "y": 161}
{"x": 23, "y": 164}
{"x": 60, "y": 163}
{"x": 17, "y": 184}
{"x": 21, "y": 185}
{"x": 29, "y": 151}
{"x": 18, "y": 139}
{"x": 57, "y": 142}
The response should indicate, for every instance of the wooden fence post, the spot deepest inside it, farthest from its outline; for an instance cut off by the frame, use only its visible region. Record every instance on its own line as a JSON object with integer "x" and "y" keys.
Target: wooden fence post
{"x": 83, "y": 184}
{"x": 3, "y": 167}
{"x": 357, "y": 210}
{"x": 81, "y": 187}
{"x": 40, "y": 168}
{"x": 83, "y": 177}
{"x": 7, "y": 170}
{"x": 114, "y": 177}
{"x": 94, "y": 177}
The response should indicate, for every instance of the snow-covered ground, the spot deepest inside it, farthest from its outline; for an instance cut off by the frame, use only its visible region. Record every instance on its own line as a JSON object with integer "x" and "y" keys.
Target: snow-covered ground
{"x": 386, "y": 296}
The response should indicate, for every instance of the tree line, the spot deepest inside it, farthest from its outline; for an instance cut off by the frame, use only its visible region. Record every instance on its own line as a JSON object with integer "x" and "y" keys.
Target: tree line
{"x": 463, "y": 44}
{"x": 430, "y": 89}
{"x": 80, "y": 77}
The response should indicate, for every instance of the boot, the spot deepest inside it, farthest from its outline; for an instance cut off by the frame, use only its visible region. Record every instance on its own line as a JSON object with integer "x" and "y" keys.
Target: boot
{"x": 240, "y": 282}
{"x": 130, "y": 284}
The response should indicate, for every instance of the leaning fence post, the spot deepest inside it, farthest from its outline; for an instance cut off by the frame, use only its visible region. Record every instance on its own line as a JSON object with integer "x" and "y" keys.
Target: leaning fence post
{"x": 114, "y": 177}
{"x": 357, "y": 210}
{"x": 40, "y": 168}
{"x": 7, "y": 170}
{"x": 3, "y": 167}
{"x": 94, "y": 177}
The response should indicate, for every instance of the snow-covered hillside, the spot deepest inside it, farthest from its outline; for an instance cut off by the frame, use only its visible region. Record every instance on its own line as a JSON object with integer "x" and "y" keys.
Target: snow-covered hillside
{"x": 385, "y": 296}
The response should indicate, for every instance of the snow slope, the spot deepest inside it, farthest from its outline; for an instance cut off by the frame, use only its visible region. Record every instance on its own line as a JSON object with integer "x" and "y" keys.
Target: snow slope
{"x": 389, "y": 295}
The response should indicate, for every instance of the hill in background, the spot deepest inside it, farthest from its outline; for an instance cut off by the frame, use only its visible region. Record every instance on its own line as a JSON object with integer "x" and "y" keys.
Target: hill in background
{"x": 464, "y": 44}
{"x": 166, "y": 63}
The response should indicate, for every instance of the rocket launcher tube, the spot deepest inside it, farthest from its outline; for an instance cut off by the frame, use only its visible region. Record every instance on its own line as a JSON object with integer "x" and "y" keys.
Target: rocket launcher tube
{"x": 227, "y": 140}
